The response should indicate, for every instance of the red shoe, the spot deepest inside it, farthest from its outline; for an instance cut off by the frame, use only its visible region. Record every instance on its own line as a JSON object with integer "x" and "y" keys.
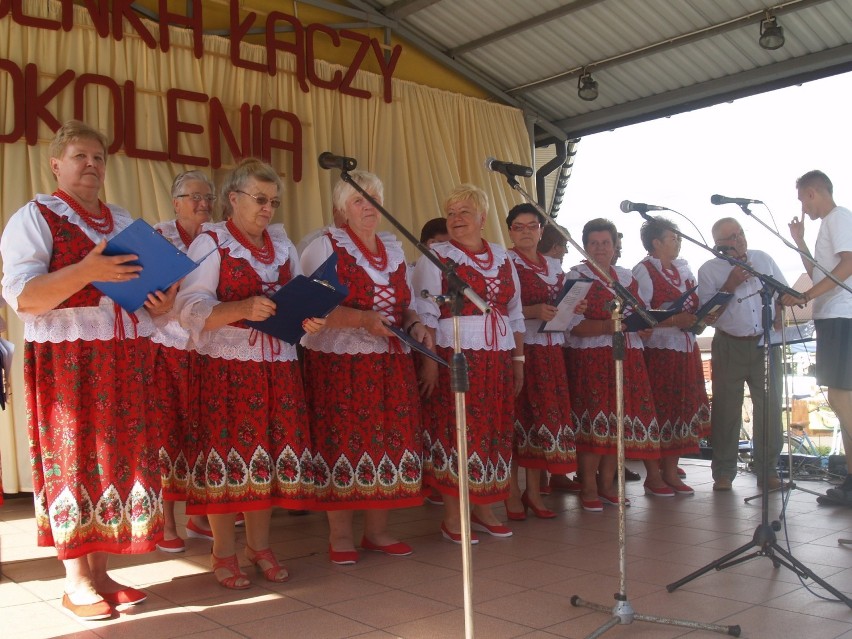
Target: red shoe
{"x": 681, "y": 489}
{"x": 541, "y": 513}
{"x": 456, "y": 538}
{"x": 435, "y": 500}
{"x": 237, "y": 580}
{"x": 591, "y": 505}
{"x": 562, "y": 484}
{"x": 545, "y": 490}
{"x": 662, "y": 491}
{"x": 612, "y": 500}
{"x": 342, "y": 557}
{"x": 171, "y": 545}
{"x": 240, "y": 520}
{"x": 276, "y": 573}
{"x": 681, "y": 472}
{"x": 195, "y": 532}
{"x": 399, "y": 549}
{"x": 495, "y": 530}
{"x": 88, "y": 612}
{"x": 515, "y": 515}
{"x": 127, "y": 595}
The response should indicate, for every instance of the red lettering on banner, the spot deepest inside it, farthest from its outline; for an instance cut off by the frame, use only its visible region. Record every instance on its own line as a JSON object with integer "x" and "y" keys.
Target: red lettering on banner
{"x": 346, "y": 86}
{"x": 297, "y": 48}
{"x": 117, "y": 105}
{"x": 23, "y": 19}
{"x": 133, "y": 151}
{"x": 192, "y": 21}
{"x": 37, "y": 102}
{"x": 124, "y": 9}
{"x": 98, "y": 12}
{"x": 387, "y": 68}
{"x": 16, "y": 82}
{"x": 314, "y": 78}
{"x": 294, "y": 145}
{"x": 177, "y": 126}
{"x": 238, "y": 30}
{"x": 5, "y": 6}
{"x": 219, "y": 125}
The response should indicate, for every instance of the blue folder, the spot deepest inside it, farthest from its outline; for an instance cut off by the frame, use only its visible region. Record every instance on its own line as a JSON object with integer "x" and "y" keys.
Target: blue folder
{"x": 302, "y": 298}
{"x": 162, "y": 264}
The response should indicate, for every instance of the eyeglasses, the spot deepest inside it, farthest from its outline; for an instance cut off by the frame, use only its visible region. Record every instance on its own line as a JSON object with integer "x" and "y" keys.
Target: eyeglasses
{"x": 262, "y": 200}
{"x": 197, "y": 197}
{"x": 532, "y": 226}
{"x": 732, "y": 238}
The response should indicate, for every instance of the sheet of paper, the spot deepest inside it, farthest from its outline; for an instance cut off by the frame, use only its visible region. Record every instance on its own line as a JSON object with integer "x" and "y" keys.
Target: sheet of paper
{"x": 566, "y": 306}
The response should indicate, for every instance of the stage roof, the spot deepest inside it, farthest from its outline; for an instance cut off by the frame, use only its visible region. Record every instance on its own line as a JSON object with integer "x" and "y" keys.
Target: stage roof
{"x": 650, "y": 58}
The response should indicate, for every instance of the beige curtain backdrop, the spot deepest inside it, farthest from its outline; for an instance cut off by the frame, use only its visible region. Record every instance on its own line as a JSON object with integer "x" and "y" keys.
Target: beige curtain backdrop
{"x": 422, "y": 144}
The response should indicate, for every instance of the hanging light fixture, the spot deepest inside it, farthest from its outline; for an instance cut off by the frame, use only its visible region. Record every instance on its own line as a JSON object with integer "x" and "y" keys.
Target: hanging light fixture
{"x": 587, "y": 87}
{"x": 771, "y": 35}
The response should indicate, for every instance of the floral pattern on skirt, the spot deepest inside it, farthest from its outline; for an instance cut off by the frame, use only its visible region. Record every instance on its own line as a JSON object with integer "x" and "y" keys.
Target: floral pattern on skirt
{"x": 544, "y": 428}
{"x": 173, "y": 411}
{"x": 489, "y": 408}
{"x": 96, "y": 480}
{"x": 591, "y": 378}
{"x": 366, "y": 429}
{"x": 250, "y": 447}
{"x": 683, "y": 411}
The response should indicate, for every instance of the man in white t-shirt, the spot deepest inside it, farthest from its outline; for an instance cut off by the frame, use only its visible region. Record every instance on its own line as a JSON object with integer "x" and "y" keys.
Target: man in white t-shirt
{"x": 832, "y": 309}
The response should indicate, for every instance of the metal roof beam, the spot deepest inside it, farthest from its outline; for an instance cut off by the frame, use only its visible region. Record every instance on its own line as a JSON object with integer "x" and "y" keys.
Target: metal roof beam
{"x": 559, "y": 12}
{"x": 404, "y": 8}
{"x": 751, "y": 82}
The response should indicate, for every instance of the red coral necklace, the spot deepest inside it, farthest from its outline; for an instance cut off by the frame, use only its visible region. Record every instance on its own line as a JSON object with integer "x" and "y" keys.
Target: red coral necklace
{"x": 540, "y": 268}
{"x": 265, "y": 254}
{"x": 102, "y": 224}
{"x": 485, "y": 263}
{"x": 379, "y": 259}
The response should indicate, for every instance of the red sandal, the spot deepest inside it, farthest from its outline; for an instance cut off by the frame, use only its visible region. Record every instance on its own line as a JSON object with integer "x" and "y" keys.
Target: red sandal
{"x": 275, "y": 570}
{"x": 238, "y": 580}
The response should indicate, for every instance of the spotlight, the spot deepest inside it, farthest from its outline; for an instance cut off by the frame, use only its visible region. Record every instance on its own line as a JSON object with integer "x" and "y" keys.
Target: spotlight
{"x": 771, "y": 35}
{"x": 587, "y": 87}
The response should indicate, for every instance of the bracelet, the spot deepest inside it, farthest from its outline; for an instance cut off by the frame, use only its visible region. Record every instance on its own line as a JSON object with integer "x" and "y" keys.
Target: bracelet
{"x": 410, "y": 326}
{"x": 518, "y": 358}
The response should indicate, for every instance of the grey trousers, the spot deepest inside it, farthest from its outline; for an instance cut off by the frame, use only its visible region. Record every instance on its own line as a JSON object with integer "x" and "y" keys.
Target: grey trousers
{"x": 737, "y": 362}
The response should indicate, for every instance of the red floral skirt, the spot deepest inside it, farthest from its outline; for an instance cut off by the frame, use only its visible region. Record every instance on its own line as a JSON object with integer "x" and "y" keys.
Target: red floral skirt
{"x": 96, "y": 480}
{"x": 173, "y": 410}
{"x": 250, "y": 447}
{"x": 365, "y": 424}
{"x": 591, "y": 378}
{"x": 489, "y": 409}
{"x": 683, "y": 411}
{"x": 544, "y": 430}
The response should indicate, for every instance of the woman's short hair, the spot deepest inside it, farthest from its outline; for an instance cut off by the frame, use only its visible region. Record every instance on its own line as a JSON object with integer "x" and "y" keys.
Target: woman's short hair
{"x": 654, "y": 229}
{"x": 597, "y": 225}
{"x": 550, "y": 237}
{"x": 366, "y": 180}
{"x": 240, "y": 174}
{"x": 190, "y": 176}
{"x": 434, "y": 227}
{"x": 72, "y": 131}
{"x": 468, "y": 193}
{"x": 520, "y": 209}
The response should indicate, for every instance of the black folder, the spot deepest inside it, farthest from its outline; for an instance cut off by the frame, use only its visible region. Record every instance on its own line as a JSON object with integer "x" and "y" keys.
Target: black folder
{"x": 417, "y": 346}
{"x": 635, "y": 322}
{"x": 710, "y": 306}
{"x": 302, "y": 298}
{"x": 162, "y": 264}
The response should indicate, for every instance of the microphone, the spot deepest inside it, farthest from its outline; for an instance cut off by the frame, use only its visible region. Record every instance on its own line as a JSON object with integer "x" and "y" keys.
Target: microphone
{"x": 329, "y": 160}
{"x": 627, "y": 206}
{"x": 740, "y": 201}
{"x": 508, "y": 169}
{"x": 724, "y": 249}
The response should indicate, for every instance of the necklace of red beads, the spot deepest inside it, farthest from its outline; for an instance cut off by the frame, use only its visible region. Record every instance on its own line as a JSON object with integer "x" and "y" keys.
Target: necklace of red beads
{"x": 102, "y": 223}
{"x": 379, "y": 259}
{"x": 265, "y": 254}
{"x": 484, "y": 264}
{"x": 540, "y": 268}
{"x": 672, "y": 275}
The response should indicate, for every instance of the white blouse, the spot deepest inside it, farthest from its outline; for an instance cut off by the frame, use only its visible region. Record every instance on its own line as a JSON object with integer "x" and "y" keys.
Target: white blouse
{"x": 668, "y": 337}
{"x": 531, "y": 334}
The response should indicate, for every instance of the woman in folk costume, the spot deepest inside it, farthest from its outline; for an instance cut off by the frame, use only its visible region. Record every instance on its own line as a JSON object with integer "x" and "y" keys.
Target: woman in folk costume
{"x": 493, "y": 345}
{"x": 87, "y": 369}
{"x": 250, "y": 447}
{"x": 360, "y": 380}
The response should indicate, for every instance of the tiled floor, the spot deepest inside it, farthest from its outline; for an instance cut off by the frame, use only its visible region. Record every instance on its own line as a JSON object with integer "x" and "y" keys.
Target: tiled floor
{"x": 522, "y": 587}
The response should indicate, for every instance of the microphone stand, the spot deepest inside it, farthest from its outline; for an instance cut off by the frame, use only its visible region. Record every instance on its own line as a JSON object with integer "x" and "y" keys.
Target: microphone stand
{"x": 764, "y": 538}
{"x": 459, "y": 382}
{"x": 622, "y": 612}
